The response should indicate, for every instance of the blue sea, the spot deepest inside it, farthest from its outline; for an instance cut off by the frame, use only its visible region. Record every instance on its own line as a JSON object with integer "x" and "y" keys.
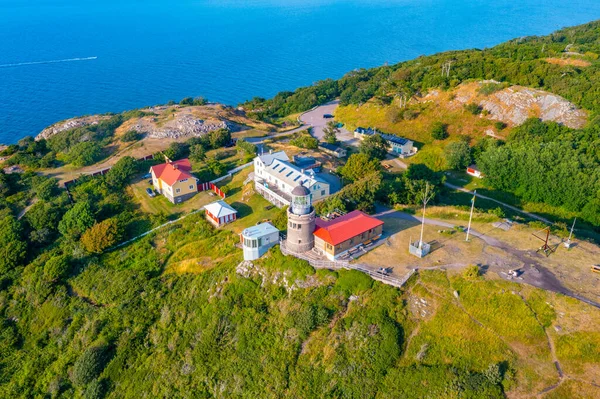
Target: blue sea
{"x": 63, "y": 58}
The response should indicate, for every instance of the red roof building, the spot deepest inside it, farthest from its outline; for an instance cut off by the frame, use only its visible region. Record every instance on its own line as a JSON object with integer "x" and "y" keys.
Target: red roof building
{"x": 173, "y": 180}
{"x": 336, "y": 237}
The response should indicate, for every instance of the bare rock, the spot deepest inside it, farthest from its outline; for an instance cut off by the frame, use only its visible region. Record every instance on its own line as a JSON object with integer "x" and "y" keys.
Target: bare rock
{"x": 516, "y": 104}
{"x": 69, "y": 124}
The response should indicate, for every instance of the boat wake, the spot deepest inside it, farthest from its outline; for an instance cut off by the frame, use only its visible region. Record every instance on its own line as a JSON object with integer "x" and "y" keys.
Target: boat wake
{"x": 46, "y": 62}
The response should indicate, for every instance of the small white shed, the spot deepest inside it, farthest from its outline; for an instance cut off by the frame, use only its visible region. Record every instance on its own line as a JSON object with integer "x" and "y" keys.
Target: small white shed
{"x": 257, "y": 240}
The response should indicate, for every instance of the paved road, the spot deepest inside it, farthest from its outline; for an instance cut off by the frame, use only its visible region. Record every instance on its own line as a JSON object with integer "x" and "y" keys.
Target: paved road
{"x": 314, "y": 118}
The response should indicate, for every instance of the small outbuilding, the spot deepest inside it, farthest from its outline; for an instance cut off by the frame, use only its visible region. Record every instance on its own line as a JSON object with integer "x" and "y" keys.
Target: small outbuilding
{"x": 257, "y": 240}
{"x": 474, "y": 171}
{"x": 220, "y": 213}
{"x": 334, "y": 150}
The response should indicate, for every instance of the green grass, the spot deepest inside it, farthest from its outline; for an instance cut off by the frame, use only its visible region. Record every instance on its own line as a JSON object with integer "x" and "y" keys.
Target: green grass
{"x": 251, "y": 207}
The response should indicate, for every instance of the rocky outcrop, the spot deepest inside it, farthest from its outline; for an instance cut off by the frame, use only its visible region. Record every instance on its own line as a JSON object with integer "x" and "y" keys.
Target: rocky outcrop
{"x": 181, "y": 126}
{"x": 70, "y": 124}
{"x": 515, "y": 104}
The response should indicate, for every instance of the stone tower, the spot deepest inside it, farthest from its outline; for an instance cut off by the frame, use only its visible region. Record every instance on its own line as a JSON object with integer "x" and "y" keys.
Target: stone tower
{"x": 301, "y": 221}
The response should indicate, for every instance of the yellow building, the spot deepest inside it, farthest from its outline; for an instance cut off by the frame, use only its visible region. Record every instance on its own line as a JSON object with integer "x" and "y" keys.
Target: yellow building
{"x": 173, "y": 180}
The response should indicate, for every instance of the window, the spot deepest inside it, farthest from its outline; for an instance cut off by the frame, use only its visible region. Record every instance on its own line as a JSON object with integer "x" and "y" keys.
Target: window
{"x": 299, "y": 227}
{"x": 191, "y": 186}
{"x": 177, "y": 190}
{"x": 259, "y": 242}
{"x": 184, "y": 180}
{"x": 322, "y": 192}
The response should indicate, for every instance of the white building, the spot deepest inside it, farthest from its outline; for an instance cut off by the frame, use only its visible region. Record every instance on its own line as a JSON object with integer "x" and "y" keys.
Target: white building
{"x": 275, "y": 178}
{"x": 257, "y": 240}
{"x": 398, "y": 145}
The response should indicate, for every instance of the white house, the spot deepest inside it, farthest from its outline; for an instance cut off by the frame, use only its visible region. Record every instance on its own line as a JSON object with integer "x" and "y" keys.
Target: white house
{"x": 257, "y": 240}
{"x": 398, "y": 145}
{"x": 275, "y": 178}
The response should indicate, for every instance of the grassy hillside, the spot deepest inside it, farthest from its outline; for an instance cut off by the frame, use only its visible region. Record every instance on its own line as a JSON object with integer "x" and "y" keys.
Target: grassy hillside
{"x": 169, "y": 316}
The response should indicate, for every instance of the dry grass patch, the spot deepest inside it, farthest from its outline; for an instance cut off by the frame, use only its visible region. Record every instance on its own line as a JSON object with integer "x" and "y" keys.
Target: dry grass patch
{"x": 568, "y": 61}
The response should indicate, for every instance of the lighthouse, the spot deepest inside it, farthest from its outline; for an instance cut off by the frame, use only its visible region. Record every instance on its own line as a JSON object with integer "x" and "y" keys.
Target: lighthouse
{"x": 301, "y": 221}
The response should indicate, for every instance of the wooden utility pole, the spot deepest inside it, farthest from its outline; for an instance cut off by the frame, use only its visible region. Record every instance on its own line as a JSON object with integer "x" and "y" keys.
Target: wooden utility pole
{"x": 471, "y": 215}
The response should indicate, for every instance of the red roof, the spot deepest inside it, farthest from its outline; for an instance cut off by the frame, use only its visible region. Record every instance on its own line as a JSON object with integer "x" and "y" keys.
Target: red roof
{"x": 171, "y": 172}
{"x": 345, "y": 227}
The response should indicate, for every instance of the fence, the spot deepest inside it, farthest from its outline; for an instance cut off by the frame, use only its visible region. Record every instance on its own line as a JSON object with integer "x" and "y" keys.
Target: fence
{"x": 211, "y": 186}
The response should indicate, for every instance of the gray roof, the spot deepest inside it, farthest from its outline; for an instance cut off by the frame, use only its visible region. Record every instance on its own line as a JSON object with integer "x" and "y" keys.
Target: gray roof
{"x": 268, "y": 159}
{"x": 330, "y": 147}
{"x": 388, "y": 137}
{"x": 300, "y": 191}
{"x": 292, "y": 175}
{"x": 259, "y": 230}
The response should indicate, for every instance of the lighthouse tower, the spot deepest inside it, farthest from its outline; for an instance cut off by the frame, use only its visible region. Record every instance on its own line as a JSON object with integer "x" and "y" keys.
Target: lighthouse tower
{"x": 301, "y": 221}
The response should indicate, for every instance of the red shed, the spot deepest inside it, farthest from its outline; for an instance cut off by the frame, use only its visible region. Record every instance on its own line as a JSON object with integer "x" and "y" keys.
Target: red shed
{"x": 220, "y": 213}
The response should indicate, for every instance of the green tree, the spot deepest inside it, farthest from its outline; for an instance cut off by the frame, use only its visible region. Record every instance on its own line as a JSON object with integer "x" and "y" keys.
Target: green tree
{"x": 219, "y": 138}
{"x": 197, "y": 153}
{"x": 458, "y": 155}
{"x": 56, "y": 268}
{"x": 359, "y": 165}
{"x": 439, "y": 131}
{"x": 374, "y": 146}
{"x": 13, "y": 249}
{"x": 248, "y": 149}
{"x": 121, "y": 172}
{"x": 89, "y": 365}
{"x": 84, "y": 153}
{"x": 176, "y": 151}
{"x": 45, "y": 188}
{"x": 76, "y": 221}
{"x": 215, "y": 166}
{"x": 42, "y": 218}
{"x": 101, "y": 236}
{"x": 330, "y": 132}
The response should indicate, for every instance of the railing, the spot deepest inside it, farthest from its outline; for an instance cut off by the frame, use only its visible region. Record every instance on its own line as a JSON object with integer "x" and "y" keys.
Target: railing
{"x": 270, "y": 195}
{"x": 337, "y": 265}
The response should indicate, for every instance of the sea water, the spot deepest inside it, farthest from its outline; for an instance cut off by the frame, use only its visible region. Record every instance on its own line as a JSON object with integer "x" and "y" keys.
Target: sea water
{"x": 63, "y": 58}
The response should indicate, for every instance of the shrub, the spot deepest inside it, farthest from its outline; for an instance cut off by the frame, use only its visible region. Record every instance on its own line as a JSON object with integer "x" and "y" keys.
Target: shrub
{"x": 473, "y": 108}
{"x": 438, "y": 131}
{"x": 89, "y": 365}
{"x": 95, "y": 390}
{"x": 410, "y": 114}
{"x": 130, "y": 135}
{"x": 305, "y": 141}
{"x": 56, "y": 268}
{"x": 471, "y": 272}
{"x": 101, "y": 236}
{"x": 499, "y": 125}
